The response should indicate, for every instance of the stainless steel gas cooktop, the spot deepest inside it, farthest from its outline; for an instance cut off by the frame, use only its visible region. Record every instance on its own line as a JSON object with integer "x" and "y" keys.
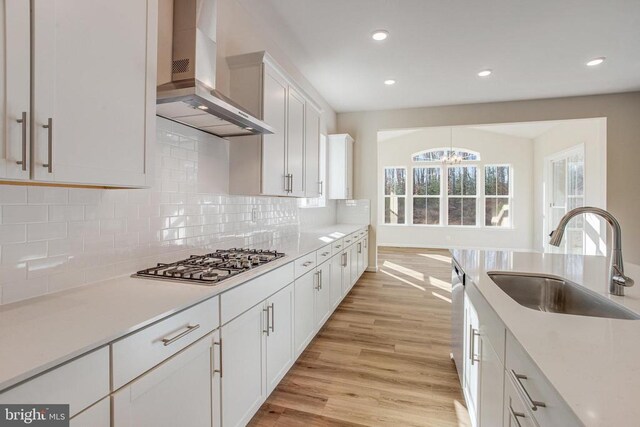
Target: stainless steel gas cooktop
{"x": 211, "y": 269}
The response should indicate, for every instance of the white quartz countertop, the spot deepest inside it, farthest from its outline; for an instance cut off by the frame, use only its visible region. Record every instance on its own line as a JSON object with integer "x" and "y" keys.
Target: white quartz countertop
{"x": 593, "y": 363}
{"x": 43, "y": 332}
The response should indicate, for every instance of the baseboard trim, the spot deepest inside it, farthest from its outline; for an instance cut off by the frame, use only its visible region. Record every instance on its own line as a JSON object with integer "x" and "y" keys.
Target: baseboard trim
{"x": 372, "y": 269}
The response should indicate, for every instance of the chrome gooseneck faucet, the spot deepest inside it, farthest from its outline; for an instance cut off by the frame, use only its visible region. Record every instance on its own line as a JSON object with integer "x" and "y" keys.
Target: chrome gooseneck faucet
{"x": 617, "y": 280}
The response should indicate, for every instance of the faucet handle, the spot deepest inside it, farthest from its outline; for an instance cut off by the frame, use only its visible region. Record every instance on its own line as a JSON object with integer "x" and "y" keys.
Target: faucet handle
{"x": 620, "y": 279}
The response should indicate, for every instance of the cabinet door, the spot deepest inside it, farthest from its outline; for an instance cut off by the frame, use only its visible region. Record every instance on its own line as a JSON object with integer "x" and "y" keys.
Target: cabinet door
{"x": 312, "y": 151}
{"x": 346, "y": 271}
{"x": 98, "y": 415}
{"x": 471, "y": 366}
{"x": 94, "y": 89}
{"x": 304, "y": 319}
{"x": 353, "y": 249}
{"x": 323, "y": 294}
{"x": 360, "y": 257}
{"x": 15, "y": 54}
{"x": 176, "y": 392}
{"x": 280, "y": 337}
{"x": 491, "y": 384}
{"x": 295, "y": 142}
{"x": 365, "y": 246}
{"x": 349, "y": 168}
{"x": 274, "y": 146}
{"x": 336, "y": 281}
{"x": 243, "y": 357}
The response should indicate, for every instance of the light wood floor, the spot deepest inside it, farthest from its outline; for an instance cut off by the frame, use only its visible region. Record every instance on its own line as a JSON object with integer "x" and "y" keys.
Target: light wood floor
{"x": 383, "y": 356}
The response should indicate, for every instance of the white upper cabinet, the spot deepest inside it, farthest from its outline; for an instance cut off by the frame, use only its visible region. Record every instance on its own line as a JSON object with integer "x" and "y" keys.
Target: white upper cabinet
{"x": 274, "y": 147}
{"x": 93, "y": 90}
{"x": 295, "y": 143}
{"x": 313, "y": 186}
{"x": 15, "y": 106}
{"x": 286, "y": 162}
{"x": 340, "y": 166}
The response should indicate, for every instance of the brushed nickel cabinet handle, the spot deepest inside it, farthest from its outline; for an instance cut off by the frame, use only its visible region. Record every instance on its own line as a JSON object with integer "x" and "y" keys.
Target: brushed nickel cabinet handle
{"x": 321, "y": 280}
{"x": 515, "y": 415}
{"x": 472, "y": 344}
{"x": 219, "y": 344}
{"x": 359, "y": 247}
{"x": 23, "y": 121}
{"x": 307, "y": 263}
{"x": 316, "y": 280}
{"x": 321, "y": 189}
{"x": 190, "y": 328}
{"x": 267, "y": 330}
{"x": 49, "y": 127}
{"x": 533, "y": 404}
{"x": 273, "y": 316}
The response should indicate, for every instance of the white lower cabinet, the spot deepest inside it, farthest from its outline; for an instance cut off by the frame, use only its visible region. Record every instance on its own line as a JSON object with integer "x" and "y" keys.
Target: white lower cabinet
{"x": 304, "y": 318}
{"x": 98, "y": 415}
{"x": 365, "y": 249}
{"x": 323, "y": 294}
{"x": 353, "y": 268}
{"x": 346, "y": 271}
{"x": 335, "y": 293}
{"x": 491, "y": 384}
{"x": 243, "y": 366}
{"x": 471, "y": 387}
{"x": 176, "y": 392}
{"x": 279, "y": 336}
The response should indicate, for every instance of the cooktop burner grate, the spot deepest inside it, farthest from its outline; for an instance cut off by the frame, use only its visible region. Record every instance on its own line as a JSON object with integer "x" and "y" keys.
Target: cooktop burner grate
{"x": 211, "y": 269}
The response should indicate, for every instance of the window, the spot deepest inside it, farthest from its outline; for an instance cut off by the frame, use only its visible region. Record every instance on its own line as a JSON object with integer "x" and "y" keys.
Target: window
{"x": 462, "y": 195}
{"x": 426, "y": 195}
{"x": 395, "y": 192}
{"x": 497, "y": 201}
{"x": 440, "y": 154}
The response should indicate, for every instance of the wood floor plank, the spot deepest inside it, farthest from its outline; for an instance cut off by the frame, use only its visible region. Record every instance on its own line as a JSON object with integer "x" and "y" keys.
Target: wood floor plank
{"x": 382, "y": 359}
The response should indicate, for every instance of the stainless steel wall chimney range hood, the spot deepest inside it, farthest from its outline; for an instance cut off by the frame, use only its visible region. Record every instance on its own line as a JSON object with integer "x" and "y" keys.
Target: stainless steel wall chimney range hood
{"x": 187, "y": 72}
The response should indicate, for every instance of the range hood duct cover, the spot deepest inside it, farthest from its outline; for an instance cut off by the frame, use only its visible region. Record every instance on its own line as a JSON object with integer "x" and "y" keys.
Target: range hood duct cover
{"x": 187, "y": 70}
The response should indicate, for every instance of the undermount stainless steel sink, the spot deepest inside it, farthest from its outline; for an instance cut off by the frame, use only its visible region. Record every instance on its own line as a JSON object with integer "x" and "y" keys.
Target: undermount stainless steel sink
{"x": 554, "y": 295}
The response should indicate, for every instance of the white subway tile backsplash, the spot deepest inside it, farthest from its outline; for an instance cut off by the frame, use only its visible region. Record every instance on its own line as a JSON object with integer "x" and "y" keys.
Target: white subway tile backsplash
{"x": 54, "y": 238}
{"x": 13, "y": 195}
{"x": 66, "y": 213}
{"x": 46, "y": 231}
{"x": 21, "y": 214}
{"x": 13, "y": 233}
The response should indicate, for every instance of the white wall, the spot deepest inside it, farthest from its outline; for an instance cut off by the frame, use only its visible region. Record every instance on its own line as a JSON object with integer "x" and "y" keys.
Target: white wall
{"x": 623, "y": 133}
{"x": 494, "y": 149}
{"x": 590, "y": 133}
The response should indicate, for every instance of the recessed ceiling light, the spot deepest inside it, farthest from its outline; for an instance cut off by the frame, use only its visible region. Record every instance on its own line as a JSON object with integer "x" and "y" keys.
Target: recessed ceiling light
{"x": 389, "y": 82}
{"x": 485, "y": 73}
{"x": 379, "y": 35}
{"x": 203, "y": 107}
{"x": 596, "y": 61}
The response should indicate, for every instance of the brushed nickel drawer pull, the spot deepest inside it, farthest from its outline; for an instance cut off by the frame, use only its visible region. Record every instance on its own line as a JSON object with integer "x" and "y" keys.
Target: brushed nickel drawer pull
{"x": 49, "y": 164}
{"x": 533, "y": 404}
{"x": 190, "y": 328}
{"x": 515, "y": 415}
{"x": 472, "y": 344}
{"x": 267, "y": 330}
{"x": 23, "y": 122}
{"x": 219, "y": 344}
{"x": 307, "y": 264}
{"x": 273, "y": 316}
{"x": 324, "y": 253}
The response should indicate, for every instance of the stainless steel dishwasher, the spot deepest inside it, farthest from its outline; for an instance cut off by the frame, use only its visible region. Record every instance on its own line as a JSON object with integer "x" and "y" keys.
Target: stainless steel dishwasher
{"x": 457, "y": 317}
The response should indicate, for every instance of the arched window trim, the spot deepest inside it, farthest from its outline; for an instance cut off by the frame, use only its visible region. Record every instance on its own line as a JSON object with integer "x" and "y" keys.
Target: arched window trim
{"x": 462, "y": 152}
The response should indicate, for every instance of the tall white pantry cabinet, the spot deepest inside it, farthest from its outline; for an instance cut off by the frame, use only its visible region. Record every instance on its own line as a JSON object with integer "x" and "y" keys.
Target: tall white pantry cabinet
{"x": 77, "y": 99}
{"x": 285, "y": 163}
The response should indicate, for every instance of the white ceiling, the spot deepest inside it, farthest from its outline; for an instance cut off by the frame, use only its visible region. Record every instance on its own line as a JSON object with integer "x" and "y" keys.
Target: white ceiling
{"x": 537, "y": 48}
{"x": 529, "y": 130}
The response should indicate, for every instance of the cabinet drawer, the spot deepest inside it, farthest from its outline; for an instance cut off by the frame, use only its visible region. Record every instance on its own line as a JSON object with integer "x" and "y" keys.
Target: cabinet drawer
{"x": 515, "y": 412}
{"x": 490, "y": 326}
{"x": 304, "y": 264}
{"x": 241, "y": 298}
{"x": 99, "y": 415}
{"x": 531, "y": 383}
{"x": 323, "y": 254}
{"x": 142, "y": 350}
{"x": 349, "y": 240}
{"x": 337, "y": 247}
{"x": 80, "y": 383}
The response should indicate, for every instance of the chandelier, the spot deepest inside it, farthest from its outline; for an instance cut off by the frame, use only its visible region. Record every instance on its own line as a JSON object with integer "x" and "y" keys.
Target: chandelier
{"x": 452, "y": 157}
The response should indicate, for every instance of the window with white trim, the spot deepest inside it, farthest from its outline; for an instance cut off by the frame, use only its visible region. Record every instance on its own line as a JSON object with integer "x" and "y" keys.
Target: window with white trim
{"x": 395, "y": 195}
{"x": 426, "y": 195}
{"x": 497, "y": 196}
{"x": 462, "y": 195}
{"x": 441, "y": 154}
